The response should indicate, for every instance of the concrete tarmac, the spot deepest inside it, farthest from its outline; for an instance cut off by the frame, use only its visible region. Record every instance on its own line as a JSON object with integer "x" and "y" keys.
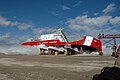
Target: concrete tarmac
{"x": 47, "y": 67}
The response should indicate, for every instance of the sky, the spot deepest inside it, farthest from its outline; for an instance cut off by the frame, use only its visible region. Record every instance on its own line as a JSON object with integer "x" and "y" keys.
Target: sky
{"x": 24, "y": 19}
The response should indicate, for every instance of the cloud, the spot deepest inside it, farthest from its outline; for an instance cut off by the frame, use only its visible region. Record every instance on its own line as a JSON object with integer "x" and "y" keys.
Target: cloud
{"x": 55, "y": 13}
{"x": 24, "y": 26}
{"x": 18, "y": 49}
{"x": 12, "y": 45}
{"x": 115, "y": 20}
{"x": 94, "y": 25}
{"x": 65, "y": 7}
{"x": 86, "y": 12}
{"x": 4, "y": 37}
{"x": 87, "y": 21}
{"x": 77, "y": 4}
{"x": 110, "y": 8}
{"x": 4, "y": 22}
{"x": 8, "y": 40}
{"x": 43, "y": 30}
{"x": 21, "y": 39}
{"x": 20, "y": 25}
{"x": 96, "y": 14}
{"x": 38, "y": 31}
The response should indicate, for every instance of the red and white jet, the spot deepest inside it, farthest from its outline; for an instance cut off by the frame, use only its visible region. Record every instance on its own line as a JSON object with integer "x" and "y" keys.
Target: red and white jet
{"x": 58, "y": 40}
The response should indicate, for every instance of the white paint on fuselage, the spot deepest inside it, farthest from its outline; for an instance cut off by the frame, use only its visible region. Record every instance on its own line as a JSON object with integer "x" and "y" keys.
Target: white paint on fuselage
{"x": 88, "y": 40}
